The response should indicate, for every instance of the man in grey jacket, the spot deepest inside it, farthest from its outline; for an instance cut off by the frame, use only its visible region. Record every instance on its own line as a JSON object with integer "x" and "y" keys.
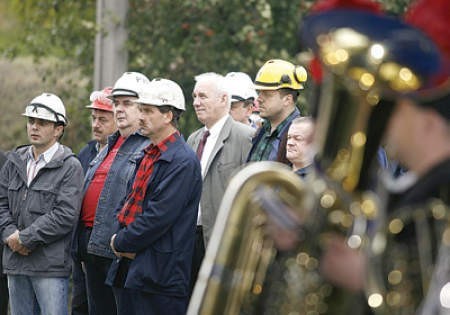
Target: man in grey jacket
{"x": 222, "y": 146}
{"x": 40, "y": 196}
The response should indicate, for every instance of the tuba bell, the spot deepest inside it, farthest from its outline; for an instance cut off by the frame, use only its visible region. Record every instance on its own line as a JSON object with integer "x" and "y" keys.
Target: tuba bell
{"x": 240, "y": 250}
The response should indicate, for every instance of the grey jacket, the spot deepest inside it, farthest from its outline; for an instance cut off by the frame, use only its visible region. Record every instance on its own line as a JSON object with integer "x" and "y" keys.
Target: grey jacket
{"x": 45, "y": 213}
{"x": 229, "y": 153}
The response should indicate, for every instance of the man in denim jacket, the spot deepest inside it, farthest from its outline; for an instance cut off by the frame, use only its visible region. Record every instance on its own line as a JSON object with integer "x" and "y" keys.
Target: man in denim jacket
{"x": 104, "y": 187}
{"x": 40, "y": 195}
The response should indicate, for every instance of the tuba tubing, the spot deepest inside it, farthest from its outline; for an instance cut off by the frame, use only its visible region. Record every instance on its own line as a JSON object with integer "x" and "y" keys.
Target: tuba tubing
{"x": 240, "y": 250}
{"x": 265, "y": 250}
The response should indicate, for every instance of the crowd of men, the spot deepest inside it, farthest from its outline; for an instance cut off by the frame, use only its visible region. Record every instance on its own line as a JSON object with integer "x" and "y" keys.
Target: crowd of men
{"x": 129, "y": 217}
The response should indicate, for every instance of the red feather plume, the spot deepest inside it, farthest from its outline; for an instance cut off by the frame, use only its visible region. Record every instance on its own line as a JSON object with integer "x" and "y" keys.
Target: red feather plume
{"x": 365, "y": 5}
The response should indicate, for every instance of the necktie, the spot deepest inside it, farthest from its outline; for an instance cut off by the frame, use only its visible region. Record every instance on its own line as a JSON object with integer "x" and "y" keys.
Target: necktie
{"x": 201, "y": 145}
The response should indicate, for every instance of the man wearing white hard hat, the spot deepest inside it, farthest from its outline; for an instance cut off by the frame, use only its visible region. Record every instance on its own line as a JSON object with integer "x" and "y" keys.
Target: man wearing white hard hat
{"x": 242, "y": 95}
{"x": 155, "y": 240}
{"x": 105, "y": 186}
{"x": 40, "y": 195}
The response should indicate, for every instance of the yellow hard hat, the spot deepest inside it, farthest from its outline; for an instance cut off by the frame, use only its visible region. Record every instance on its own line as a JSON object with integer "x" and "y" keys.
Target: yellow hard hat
{"x": 278, "y": 74}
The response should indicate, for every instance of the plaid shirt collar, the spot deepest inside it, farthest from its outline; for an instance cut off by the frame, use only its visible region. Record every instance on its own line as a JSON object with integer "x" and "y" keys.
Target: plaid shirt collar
{"x": 133, "y": 205}
{"x": 163, "y": 145}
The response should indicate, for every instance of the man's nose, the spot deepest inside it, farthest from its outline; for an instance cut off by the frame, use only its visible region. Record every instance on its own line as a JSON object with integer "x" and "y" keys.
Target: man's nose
{"x": 95, "y": 123}
{"x": 195, "y": 101}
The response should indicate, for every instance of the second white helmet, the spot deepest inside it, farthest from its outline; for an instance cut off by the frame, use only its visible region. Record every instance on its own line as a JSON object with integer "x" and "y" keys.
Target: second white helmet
{"x": 240, "y": 87}
{"x": 129, "y": 84}
{"x": 162, "y": 92}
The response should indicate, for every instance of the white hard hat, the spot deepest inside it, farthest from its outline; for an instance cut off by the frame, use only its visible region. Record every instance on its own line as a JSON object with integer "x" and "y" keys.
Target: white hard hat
{"x": 162, "y": 92}
{"x": 240, "y": 87}
{"x": 47, "y": 106}
{"x": 129, "y": 84}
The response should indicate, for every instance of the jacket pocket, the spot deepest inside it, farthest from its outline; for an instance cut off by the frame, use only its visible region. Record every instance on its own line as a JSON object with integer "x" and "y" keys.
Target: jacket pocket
{"x": 43, "y": 199}
{"x": 17, "y": 195}
{"x": 159, "y": 267}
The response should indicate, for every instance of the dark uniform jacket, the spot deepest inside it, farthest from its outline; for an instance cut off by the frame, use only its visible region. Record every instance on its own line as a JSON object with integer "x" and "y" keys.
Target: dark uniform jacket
{"x": 416, "y": 222}
{"x": 163, "y": 235}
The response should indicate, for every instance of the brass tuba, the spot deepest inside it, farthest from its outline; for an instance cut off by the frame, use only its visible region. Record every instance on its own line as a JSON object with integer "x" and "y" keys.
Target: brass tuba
{"x": 264, "y": 254}
{"x": 263, "y": 257}
{"x": 265, "y": 250}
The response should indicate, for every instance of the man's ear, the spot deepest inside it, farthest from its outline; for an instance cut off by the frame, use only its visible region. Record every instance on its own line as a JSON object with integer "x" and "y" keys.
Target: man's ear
{"x": 59, "y": 130}
{"x": 169, "y": 116}
{"x": 224, "y": 98}
{"x": 288, "y": 99}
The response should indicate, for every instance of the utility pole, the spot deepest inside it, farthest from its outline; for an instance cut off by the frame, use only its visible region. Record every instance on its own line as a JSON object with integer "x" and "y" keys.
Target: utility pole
{"x": 111, "y": 56}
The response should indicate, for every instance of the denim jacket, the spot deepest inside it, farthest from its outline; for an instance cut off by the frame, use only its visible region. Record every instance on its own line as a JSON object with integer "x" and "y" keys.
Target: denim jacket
{"x": 114, "y": 189}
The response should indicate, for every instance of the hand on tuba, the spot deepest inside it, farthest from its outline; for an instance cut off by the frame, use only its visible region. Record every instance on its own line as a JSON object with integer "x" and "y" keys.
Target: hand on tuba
{"x": 341, "y": 265}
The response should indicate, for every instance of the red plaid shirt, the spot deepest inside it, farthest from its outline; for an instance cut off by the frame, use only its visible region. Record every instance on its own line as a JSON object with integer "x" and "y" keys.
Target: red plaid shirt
{"x": 133, "y": 204}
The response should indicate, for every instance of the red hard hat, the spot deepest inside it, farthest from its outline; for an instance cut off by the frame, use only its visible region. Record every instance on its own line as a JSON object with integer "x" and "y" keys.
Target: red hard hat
{"x": 99, "y": 100}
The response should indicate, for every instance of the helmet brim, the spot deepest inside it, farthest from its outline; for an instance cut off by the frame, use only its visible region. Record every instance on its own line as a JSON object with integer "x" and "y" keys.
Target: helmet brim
{"x": 99, "y": 107}
{"x": 260, "y": 87}
{"x": 114, "y": 94}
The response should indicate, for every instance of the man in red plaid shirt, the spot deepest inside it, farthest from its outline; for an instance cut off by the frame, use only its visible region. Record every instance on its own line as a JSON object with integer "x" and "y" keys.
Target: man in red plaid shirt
{"x": 155, "y": 242}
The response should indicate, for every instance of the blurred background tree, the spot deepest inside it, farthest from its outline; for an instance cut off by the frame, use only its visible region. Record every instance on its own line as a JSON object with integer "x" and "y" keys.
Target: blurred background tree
{"x": 45, "y": 46}
{"x": 48, "y": 45}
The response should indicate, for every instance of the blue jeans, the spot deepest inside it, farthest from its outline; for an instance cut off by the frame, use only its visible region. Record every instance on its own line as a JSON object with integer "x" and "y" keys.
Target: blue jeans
{"x": 29, "y": 294}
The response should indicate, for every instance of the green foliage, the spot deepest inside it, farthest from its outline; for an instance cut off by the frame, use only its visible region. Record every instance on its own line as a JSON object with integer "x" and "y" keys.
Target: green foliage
{"x": 175, "y": 39}
{"x": 27, "y": 80}
{"x": 64, "y": 29}
{"x": 59, "y": 37}
{"x": 180, "y": 39}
